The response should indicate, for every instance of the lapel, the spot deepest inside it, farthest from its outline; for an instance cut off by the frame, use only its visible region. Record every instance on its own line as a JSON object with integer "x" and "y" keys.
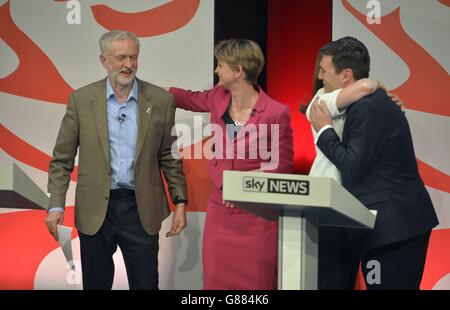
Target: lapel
{"x": 260, "y": 105}
{"x": 222, "y": 106}
{"x": 100, "y": 114}
{"x": 144, "y": 113}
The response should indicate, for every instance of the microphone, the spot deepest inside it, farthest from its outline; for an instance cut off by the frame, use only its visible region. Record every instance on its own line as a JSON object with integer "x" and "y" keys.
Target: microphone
{"x": 121, "y": 118}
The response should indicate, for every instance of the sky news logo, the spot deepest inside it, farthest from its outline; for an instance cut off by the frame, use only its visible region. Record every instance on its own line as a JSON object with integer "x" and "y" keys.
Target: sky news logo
{"x": 276, "y": 186}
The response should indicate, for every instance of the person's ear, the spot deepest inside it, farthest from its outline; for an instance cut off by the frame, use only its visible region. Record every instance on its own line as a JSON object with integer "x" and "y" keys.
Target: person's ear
{"x": 239, "y": 71}
{"x": 103, "y": 60}
{"x": 347, "y": 75}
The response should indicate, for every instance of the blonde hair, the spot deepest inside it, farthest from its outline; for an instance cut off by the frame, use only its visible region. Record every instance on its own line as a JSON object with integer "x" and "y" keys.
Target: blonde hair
{"x": 108, "y": 37}
{"x": 246, "y": 53}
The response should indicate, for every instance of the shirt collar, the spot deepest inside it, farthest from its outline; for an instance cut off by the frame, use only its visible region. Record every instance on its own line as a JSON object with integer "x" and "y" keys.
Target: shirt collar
{"x": 133, "y": 93}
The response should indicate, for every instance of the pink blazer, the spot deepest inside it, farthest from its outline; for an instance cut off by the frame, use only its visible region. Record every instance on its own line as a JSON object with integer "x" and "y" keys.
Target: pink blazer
{"x": 267, "y": 111}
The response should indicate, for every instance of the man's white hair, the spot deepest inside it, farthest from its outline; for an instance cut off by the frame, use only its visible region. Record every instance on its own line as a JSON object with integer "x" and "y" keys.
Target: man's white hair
{"x": 108, "y": 37}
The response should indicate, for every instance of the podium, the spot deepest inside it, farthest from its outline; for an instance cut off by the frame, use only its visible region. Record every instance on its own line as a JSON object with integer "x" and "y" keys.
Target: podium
{"x": 300, "y": 204}
{"x": 18, "y": 191}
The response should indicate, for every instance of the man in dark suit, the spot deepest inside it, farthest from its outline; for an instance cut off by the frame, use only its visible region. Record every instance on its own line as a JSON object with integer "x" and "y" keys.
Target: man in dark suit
{"x": 122, "y": 128}
{"x": 378, "y": 166}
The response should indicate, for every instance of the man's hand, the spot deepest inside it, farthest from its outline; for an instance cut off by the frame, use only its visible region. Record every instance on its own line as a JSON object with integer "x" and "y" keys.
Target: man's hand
{"x": 179, "y": 220}
{"x": 319, "y": 115}
{"x": 52, "y": 220}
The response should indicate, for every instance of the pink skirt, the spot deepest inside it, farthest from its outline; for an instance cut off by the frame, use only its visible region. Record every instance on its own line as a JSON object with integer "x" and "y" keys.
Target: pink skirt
{"x": 240, "y": 250}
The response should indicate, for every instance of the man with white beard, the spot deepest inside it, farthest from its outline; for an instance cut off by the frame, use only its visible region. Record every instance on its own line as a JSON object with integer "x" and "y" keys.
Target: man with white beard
{"x": 122, "y": 127}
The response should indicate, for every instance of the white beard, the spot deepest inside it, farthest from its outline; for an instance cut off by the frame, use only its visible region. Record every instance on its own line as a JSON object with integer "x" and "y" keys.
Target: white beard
{"x": 123, "y": 81}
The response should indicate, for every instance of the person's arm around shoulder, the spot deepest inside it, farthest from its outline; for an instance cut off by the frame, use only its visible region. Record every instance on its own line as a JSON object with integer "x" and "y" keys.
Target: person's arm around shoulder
{"x": 356, "y": 91}
{"x": 340, "y": 99}
{"x": 361, "y": 89}
{"x": 196, "y": 101}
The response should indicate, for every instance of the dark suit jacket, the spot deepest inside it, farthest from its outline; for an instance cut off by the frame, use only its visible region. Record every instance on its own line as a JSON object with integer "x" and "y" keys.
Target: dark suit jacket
{"x": 378, "y": 166}
{"x": 85, "y": 126}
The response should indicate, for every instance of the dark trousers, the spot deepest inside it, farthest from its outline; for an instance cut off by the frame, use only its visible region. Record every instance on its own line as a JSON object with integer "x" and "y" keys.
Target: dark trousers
{"x": 397, "y": 266}
{"x": 121, "y": 227}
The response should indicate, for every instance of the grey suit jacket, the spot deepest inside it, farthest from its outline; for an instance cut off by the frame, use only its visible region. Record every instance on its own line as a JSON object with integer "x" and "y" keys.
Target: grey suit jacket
{"x": 84, "y": 126}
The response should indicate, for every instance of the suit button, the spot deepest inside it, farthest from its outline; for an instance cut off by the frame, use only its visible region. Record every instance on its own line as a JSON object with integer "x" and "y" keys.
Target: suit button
{"x": 106, "y": 197}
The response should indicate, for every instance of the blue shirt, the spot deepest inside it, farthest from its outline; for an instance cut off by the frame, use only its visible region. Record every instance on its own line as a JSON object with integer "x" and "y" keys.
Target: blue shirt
{"x": 122, "y": 129}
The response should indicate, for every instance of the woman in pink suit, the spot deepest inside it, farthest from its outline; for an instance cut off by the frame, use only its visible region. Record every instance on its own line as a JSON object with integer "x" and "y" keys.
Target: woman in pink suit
{"x": 240, "y": 249}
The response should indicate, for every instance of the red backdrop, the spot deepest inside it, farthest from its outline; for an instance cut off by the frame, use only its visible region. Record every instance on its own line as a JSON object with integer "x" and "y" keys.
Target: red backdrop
{"x": 294, "y": 38}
